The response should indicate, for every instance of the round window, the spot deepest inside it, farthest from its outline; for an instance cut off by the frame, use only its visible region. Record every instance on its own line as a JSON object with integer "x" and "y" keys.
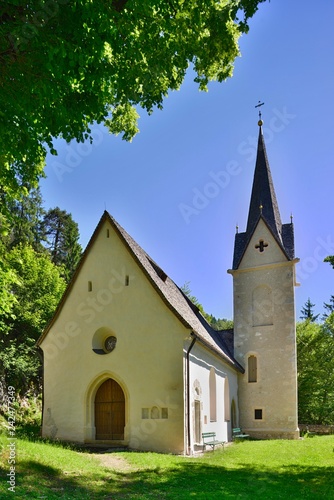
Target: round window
{"x": 110, "y": 343}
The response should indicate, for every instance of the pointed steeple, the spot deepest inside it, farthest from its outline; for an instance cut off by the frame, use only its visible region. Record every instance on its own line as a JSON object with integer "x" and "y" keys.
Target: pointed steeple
{"x": 263, "y": 199}
{"x": 263, "y": 205}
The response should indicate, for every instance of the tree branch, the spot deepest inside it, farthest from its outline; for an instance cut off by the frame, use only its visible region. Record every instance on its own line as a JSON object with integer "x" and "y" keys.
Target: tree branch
{"x": 119, "y": 5}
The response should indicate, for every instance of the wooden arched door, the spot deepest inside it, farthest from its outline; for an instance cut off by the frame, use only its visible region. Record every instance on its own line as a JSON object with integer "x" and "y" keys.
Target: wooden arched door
{"x": 110, "y": 411}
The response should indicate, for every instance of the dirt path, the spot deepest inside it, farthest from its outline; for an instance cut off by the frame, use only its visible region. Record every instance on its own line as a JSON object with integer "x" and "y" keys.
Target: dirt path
{"x": 113, "y": 462}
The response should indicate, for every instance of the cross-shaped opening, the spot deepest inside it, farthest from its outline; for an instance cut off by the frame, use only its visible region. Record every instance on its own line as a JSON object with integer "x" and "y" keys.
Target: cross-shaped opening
{"x": 261, "y": 246}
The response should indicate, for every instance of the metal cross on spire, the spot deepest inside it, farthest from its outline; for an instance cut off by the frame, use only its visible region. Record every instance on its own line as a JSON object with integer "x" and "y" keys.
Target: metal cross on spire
{"x": 259, "y": 104}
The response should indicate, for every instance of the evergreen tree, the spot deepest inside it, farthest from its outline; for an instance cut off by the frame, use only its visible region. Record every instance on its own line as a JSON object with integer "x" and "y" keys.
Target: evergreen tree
{"x": 307, "y": 312}
{"x": 329, "y": 308}
{"x": 62, "y": 240}
{"x": 26, "y": 216}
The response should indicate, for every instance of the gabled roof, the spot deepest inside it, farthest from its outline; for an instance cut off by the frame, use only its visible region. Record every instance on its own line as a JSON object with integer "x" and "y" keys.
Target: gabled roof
{"x": 263, "y": 205}
{"x": 286, "y": 243}
{"x": 170, "y": 293}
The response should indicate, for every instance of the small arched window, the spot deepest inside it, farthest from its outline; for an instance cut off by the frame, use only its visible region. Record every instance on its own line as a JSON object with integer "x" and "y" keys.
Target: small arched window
{"x": 252, "y": 369}
{"x": 213, "y": 395}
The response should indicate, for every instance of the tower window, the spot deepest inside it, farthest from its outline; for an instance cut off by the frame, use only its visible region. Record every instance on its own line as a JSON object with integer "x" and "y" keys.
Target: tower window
{"x": 258, "y": 414}
{"x": 90, "y": 286}
{"x": 252, "y": 369}
{"x": 261, "y": 246}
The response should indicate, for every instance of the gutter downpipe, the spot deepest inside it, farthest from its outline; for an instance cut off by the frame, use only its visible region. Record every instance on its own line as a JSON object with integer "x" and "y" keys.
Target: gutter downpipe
{"x": 188, "y": 389}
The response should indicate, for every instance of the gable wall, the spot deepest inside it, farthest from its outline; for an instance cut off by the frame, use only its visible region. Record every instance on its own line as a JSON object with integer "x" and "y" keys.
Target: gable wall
{"x": 147, "y": 361}
{"x": 253, "y": 257}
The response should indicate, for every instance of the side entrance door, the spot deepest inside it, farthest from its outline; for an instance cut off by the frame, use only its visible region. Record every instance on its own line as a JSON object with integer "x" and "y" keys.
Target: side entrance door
{"x": 110, "y": 411}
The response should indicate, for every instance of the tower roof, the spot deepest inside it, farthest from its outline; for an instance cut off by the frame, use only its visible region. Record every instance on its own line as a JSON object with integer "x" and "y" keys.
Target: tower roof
{"x": 263, "y": 205}
{"x": 263, "y": 199}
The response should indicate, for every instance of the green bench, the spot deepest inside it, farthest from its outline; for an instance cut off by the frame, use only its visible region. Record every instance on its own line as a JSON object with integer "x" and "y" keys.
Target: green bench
{"x": 309, "y": 433}
{"x": 238, "y": 434}
{"x": 209, "y": 438}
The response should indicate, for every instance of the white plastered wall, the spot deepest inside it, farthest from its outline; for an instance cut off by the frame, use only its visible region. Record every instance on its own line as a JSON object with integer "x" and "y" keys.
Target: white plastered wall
{"x": 201, "y": 361}
{"x": 147, "y": 361}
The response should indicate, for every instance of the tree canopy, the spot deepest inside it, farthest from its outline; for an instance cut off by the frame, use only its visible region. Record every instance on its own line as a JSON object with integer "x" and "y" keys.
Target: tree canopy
{"x": 36, "y": 287}
{"x": 216, "y": 323}
{"x": 330, "y": 259}
{"x": 315, "y": 351}
{"x": 66, "y": 64}
{"x": 37, "y": 258}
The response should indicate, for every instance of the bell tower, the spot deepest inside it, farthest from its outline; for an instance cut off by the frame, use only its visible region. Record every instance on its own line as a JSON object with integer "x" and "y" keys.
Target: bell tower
{"x": 264, "y": 312}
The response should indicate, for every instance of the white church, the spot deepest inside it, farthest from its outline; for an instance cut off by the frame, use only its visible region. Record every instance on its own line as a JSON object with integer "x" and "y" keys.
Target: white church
{"x": 130, "y": 361}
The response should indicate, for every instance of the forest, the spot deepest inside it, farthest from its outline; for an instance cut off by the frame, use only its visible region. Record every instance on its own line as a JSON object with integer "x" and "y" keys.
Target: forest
{"x": 37, "y": 258}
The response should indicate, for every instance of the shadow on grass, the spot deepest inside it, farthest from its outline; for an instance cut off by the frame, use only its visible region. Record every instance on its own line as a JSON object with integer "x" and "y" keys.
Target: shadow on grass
{"x": 205, "y": 481}
{"x": 35, "y": 480}
{"x": 187, "y": 480}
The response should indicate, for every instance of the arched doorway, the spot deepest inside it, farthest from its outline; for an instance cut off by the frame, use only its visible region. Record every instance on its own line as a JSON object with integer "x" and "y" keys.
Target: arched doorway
{"x": 110, "y": 411}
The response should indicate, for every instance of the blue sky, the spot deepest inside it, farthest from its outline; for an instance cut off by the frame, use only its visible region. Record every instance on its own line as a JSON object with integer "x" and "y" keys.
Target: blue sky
{"x": 183, "y": 184}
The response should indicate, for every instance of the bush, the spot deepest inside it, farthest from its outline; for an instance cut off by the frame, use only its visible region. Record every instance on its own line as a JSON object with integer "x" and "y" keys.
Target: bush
{"x": 27, "y": 412}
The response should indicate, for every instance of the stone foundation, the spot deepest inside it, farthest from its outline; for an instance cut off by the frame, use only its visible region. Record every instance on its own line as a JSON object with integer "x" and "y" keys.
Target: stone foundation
{"x": 317, "y": 429}
{"x": 273, "y": 434}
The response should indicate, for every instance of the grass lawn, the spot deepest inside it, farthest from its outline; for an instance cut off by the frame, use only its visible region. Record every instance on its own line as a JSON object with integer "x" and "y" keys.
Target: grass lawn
{"x": 265, "y": 470}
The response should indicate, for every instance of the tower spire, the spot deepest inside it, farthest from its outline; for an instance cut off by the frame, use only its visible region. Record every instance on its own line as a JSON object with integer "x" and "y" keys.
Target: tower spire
{"x": 263, "y": 198}
{"x": 263, "y": 205}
